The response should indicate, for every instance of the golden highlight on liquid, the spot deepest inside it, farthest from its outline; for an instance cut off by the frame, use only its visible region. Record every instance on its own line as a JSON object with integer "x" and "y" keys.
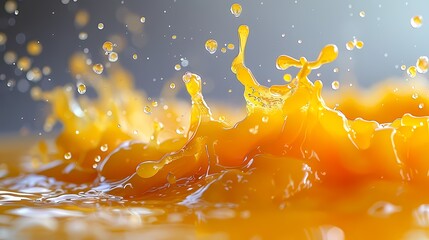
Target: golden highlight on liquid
{"x": 292, "y": 167}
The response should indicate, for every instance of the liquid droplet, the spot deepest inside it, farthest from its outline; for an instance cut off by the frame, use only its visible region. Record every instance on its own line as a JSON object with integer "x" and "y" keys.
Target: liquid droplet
{"x": 359, "y": 44}
{"x": 350, "y": 45}
{"x": 211, "y": 46}
{"x": 177, "y": 67}
{"x": 236, "y": 9}
{"x": 422, "y": 64}
{"x": 265, "y": 119}
{"x": 104, "y": 147}
{"x": 412, "y": 71}
{"x": 362, "y": 14}
{"x": 335, "y": 85}
{"x": 142, "y": 19}
{"x": 416, "y": 21}
{"x": 113, "y": 57}
{"x": 180, "y": 130}
{"x": 83, "y": 36}
{"x": 230, "y": 46}
{"x": 81, "y": 88}
{"x": 287, "y": 77}
{"x": 108, "y": 46}
{"x": 98, "y": 68}
{"x": 172, "y": 85}
{"x": 67, "y": 155}
{"x": 135, "y": 56}
{"x": 100, "y": 26}
{"x": 147, "y": 110}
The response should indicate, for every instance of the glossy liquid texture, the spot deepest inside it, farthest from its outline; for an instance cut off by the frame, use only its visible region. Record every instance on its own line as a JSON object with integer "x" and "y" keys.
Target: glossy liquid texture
{"x": 292, "y": 168}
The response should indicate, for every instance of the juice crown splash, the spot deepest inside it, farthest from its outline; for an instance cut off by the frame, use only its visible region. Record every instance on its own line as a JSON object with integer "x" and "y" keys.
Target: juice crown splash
{"x": 290, "y": 123}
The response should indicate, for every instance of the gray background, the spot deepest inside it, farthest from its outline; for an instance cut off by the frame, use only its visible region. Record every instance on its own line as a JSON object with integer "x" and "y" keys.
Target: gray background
{"x": 389, "y": 39}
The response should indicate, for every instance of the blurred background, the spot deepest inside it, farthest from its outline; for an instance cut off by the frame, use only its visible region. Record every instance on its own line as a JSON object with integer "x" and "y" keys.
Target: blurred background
{"x": 173, "y": 32}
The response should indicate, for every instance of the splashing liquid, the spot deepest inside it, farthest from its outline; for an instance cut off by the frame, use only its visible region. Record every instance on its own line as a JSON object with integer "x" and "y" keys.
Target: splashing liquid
{"x": 290, "y": 148}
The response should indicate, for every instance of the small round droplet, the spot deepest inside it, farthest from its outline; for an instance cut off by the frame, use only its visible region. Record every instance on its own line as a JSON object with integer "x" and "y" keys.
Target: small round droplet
{"x": 142, "y": 19}
{"x": 287, "y": 77}
{"x": 173, "y": 37}
{"x": 359, "y": 44}
{"x": 172, "y": 85}
{"x": 362, "y": 14}
{"x": 184, "y": 62}
{"x": 108, "y": 46}
{"x": 98, "y": 68}
{"x": 335, "y": 85}
{"x": 177, "y": 67}
{"x": 154, "y": 104}
{"x": 265, "y": 119}
{"x": 415, "y": 96}
{"x": 135, "y": 56}
{"x": 180, "y": 130}
{"x": 236, "y": 9}
{"x": 100, "y": 26}
{"x": 350, "y": 45}
{"x": 113, "y": 57}
{"x": 211, "y": 46}
{"x": 223, "y": 50}
{"x": 83, "y": 36}
{"x": 230, "y": 46}
{"x": 421, "y": 105}
{"x": 422, "y": 64}
{"x": 336, "y": 70}
{"x": 412, "y": 71}
{"x": 416, "y": 21}
{"x": 403, "y": 67}
{"x": 67, "y": 155}
{"x": 147, "y": 110}
{"x": 104, "y": 147}
{"x": 81, "y": 88}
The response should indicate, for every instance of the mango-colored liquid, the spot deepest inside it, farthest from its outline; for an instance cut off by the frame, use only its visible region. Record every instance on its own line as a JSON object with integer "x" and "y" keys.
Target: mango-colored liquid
{"x": 292, "y": 168}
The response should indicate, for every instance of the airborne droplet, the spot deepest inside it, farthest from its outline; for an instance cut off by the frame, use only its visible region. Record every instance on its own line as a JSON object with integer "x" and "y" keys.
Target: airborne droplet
{"x": 416, "y": 21}
{"x": 422, "y": 64}
{"x": 211, "y": 46}
{"x": 236, "y": 9}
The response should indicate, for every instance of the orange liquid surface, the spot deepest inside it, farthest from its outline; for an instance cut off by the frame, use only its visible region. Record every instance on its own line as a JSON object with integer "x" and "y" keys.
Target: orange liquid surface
{"x": 292, "y": 168}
